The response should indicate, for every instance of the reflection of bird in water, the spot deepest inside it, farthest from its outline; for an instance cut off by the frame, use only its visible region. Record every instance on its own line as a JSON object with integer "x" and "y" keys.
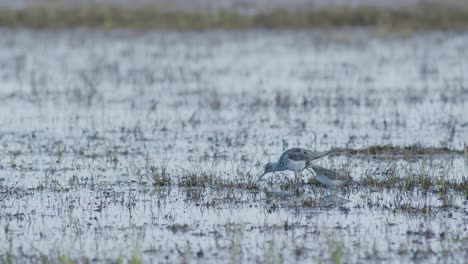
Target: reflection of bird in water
{"x": 295, "y": 159}
{"x": 330, "y": 178}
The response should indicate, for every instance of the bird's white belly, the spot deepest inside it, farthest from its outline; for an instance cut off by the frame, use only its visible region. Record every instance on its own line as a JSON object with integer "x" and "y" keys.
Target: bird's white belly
{"x": 326, "y": 181}
{"x": 296, "y": 165}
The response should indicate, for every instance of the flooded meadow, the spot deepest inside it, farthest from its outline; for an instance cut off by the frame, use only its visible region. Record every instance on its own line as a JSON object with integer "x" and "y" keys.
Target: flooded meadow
{"x": 129, "y": 146}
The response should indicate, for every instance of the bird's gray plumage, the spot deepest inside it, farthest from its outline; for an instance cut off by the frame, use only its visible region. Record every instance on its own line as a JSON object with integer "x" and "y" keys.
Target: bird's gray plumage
{"x": 300, "y": 154}
{"x": 330, "y": 178}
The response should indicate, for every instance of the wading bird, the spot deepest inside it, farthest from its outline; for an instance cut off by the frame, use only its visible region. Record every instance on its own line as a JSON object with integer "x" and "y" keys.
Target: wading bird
{"x": 295, "y": 159}
{"x": 328, "y": 177}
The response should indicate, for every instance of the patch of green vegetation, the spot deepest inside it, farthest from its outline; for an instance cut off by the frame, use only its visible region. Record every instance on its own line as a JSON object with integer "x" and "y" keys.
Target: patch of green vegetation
{"x": 9, "y": 257}
{"x": 199, "y": 179}
{"x": 272, "y": 253}
{"x": 63, "y": 259}
{"x": 412, "y": 182}
{"x": 391, "y": 150}
{"x": 236, "y": 234}
{"x": 136, "y": 259}
{"x": 389, "y": 182}
{"x": 205, "y": 178}
{"x": 405, "y": 19}
{"x": 422, "y": 181}
{"x": 160, "y": 176}
{"x": 120, "y": 260}
{"x": 336, "y": 251}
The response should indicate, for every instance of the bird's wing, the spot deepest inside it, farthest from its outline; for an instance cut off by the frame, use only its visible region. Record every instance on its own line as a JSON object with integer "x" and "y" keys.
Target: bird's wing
{"x": 333, "y": 175}
{"x": 298, "y": 154}
{"x": 323, "y": 171}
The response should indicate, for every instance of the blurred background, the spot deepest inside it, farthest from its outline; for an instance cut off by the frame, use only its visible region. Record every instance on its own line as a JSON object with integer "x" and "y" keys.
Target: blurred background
{"x": 234, "y": 4}
{"x": 204, "y": 14}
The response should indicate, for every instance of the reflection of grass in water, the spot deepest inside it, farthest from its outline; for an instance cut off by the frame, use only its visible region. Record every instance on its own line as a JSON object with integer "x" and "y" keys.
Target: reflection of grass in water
{"x": 273, "y": 253}
{"x": 135, "y": 258}
{"x": 106, "y": 16}
{"x": 9, "y": 257}
{"x": 236, "y": 233}
{"x": 336, "y": 250}
{"x": 64, "y": 259}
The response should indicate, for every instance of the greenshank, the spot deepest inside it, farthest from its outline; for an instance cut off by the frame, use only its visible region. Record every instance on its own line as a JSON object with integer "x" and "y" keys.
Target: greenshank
{"x": 295, "y": 159}
{"x": 328, "y": 177}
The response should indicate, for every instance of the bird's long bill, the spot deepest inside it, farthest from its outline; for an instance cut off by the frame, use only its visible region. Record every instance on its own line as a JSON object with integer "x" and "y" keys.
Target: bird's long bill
{"x": 261, "y": 176}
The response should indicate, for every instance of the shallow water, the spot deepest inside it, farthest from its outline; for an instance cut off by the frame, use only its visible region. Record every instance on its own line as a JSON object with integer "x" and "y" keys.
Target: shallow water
{"x": 104, "y": 222}
{"x": 90, "y": 118}
{"x": 256, "y": 90}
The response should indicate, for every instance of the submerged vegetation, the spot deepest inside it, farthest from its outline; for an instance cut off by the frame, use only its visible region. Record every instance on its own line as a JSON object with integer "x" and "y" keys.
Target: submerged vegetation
{"x": 408, "y": 18}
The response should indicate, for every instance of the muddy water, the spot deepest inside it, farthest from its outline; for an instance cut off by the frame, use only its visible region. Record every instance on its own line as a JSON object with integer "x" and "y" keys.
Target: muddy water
{"x": 89, "y": 119}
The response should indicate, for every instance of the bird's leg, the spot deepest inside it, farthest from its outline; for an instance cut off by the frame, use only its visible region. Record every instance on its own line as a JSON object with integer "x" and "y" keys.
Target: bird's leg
{"x": 328, "y": 192}
{"x": 313, "y": 172}
{"x": 297, "y": 177}
{"x": 289, "y": 182}
{"x": 334, "y": 193}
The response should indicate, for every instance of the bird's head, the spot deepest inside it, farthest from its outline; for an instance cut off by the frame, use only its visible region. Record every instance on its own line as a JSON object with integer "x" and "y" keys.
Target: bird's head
{"x": 269, "y": 167}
